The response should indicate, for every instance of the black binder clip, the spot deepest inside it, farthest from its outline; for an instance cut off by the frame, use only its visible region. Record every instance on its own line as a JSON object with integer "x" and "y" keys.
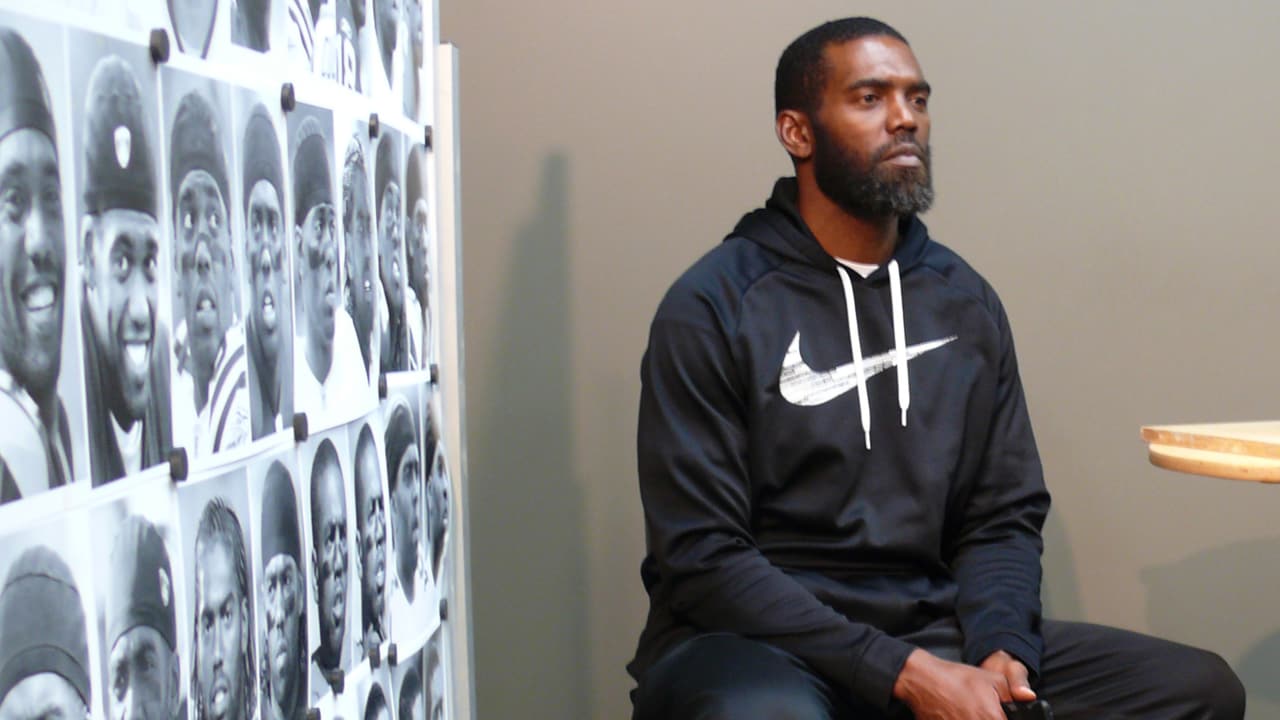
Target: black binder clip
{"x": 382, "y": 386}
{"x": 337, "y": 680}
{"x": 435, "y": 374}
{"x": 374, "y": 127}
{"x": 392, "y": 655}
{"x": 375, "y": 657}
{"x": 159, "y": 45}
{"x": 288, "y": 101}
{"x": 313, "y": 713}
{"x": 444, "y": 609}
{"x": 427, "y": 138}
{"x": 178, "y": 464}
{"x": 300, "y": 433}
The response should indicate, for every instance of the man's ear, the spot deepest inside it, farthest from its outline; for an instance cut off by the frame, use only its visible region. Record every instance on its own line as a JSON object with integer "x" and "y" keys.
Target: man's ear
{"x": 359, "y": 566}
{"x": 795, "y": 133}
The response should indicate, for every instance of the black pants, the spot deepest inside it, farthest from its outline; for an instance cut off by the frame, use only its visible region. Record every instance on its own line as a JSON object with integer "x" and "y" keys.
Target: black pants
{"x": 1088, "y": 672}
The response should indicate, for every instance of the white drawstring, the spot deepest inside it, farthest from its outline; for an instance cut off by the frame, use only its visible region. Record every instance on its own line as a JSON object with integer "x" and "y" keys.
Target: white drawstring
{"x": 864, "y": 406}
{"x": 899, "y": 342}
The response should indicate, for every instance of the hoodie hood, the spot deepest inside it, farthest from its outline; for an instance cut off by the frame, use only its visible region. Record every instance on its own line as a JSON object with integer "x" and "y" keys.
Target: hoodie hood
{"x": 779, "y": 227}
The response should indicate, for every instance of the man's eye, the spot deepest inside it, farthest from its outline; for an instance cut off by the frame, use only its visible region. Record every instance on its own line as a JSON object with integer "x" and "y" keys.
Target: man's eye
{"x": 921, "y": 102}
{"x": 120, "y": 264}
{"x": 188, "y": 220}
{"x": 151, "y": 264}
{"x": 15, "y": 203}
{"x": 213, "y": 220}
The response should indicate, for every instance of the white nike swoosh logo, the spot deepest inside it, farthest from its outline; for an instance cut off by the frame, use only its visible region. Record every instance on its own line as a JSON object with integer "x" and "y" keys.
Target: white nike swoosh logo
{"x": 802, "y": 385}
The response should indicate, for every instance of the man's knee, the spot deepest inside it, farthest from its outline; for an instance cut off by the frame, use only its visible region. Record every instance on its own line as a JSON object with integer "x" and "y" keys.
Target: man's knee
{"x": 724, "y": 677}
{"x": 1208, "y": 684}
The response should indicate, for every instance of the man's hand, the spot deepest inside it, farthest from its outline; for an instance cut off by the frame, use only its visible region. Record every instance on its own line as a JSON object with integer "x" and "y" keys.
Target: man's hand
{"x": 936, "y": 689}
{"x": 1013, "y": 671}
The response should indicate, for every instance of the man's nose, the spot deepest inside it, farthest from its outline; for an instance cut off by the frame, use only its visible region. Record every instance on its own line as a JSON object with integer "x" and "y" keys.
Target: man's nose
{"x": 902, "y": 116}
{"x": 37, "y": 242}
{"x": 204, "y": 255}
{"x": 138, "y": 303}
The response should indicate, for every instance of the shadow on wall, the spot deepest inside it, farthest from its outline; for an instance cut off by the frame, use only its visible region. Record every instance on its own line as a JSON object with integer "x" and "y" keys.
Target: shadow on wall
{"x": 528, "y": 566}
{"x": 1208, "y": 600}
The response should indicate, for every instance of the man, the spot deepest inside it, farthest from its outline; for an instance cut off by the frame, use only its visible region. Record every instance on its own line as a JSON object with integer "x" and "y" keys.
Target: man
{"x": 267, "y": 326}
{"x": 284, "y": 594}
{"x": 418, "y": 251}
{"x": 386, "y": 24}
{"x": 328, "y": 561}
{"x": 209, "y": 353}
{"x": 301, "y": 29}
{"x": 395, "y": 355}
{"x": 222, "y": 676}
{"x": 143, "y": 677}
{"x": 251, "y": 24}
{"x": 44, "y": 651}
{"x": 371, "y": 542}
{"x": 435, "y": 677}
{"x": 360, "y": 287}
{"x": 337, "y": 45}
{"x": 35, "y": 449}
{"x": 375, "y": 705}
{"x": 805, "y": 561}
{"x": 323, "y": 365}
{"x": 404, "y": 475}
{"x": 409, "y": 704}
{"x": 417, "y": 48}
{"x": 126, "y": 366}
{"x": 437, "y": 497}
{"x": 193, "y": 22}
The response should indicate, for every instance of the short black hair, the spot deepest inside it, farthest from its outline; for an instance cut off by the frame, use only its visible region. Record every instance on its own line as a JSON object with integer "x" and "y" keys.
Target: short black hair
{"x": 802, "y": 69}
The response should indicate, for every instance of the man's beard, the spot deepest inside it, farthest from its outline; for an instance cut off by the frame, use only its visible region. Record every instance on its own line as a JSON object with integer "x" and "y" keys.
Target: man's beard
{"x": 864, "y": 187}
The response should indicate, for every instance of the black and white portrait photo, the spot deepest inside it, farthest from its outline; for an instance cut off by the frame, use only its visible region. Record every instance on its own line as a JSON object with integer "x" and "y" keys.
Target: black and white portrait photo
{"x": 220, "y": 597}
{"x": 415, "y": 58}
{"x": 300, "y": 33}
{"x": 414, "y": 600}
{"x": 251, "y": 24}
{"x": 377, "y": 703}
{"x": 119, "y": 243}
{"x": 282, "y": 594}
{"x": 436, "y": 498}
{"x": 210, "y": 387}
{"x": 419, "y": 255}
{"x": 46, "y": 650}
{"x": 406, "y": 688}
{"x": 392, "y": 269}
{"x": 370, "y": 533}
{"x": 385, "y": 57}
{"x": 361, "y": 289}
{"x": 138, "y": 604}
{"x": 39, "y": 365}
{"x": 337, "y": 43}
{"x": 435, "y": 682}
{"x": 332, "y": 515}
{"x": 269, "y": 315}
{"x": 327, "y": 368}
{"x": 193, "y": 24}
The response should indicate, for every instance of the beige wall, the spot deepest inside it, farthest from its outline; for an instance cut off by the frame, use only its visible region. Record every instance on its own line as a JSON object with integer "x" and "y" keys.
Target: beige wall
{"x": 1110, "y": 167}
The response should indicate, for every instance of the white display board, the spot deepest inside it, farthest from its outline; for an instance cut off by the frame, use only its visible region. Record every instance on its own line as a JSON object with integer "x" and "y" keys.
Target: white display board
{"x": 231, "y": 407}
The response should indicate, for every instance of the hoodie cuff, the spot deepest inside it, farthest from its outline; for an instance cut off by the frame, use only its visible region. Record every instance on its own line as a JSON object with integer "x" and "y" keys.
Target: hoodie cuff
{"x": 1016, "y": 645}
{"x": 877, "y": 669}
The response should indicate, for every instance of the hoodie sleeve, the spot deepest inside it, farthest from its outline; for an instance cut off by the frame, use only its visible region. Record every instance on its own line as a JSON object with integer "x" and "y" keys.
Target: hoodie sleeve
{"x": 996, "y": 561}
{"x": 695, "y": 487}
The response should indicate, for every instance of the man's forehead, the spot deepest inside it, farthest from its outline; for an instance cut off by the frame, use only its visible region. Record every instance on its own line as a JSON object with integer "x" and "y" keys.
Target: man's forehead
{"x": 879, "y": 57}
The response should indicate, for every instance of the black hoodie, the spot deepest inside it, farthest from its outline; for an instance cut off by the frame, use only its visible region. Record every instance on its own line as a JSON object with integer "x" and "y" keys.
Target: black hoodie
{"x": 766, "y": 513}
